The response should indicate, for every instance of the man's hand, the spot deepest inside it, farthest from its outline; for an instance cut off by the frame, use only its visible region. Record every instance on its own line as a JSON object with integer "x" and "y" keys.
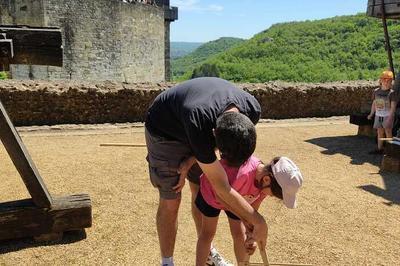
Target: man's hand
{"x": 181, "y": 183}
{"x": 183, "y": 171}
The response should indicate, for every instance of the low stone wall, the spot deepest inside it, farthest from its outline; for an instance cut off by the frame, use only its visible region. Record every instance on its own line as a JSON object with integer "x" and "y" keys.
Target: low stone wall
{"x": 64, "y": 102}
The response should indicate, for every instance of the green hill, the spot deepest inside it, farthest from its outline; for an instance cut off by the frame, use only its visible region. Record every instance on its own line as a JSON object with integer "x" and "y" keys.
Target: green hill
{"x": 179, "y": 49}
{"x": 187, "y": 63}
{"x": 339, "y": 48}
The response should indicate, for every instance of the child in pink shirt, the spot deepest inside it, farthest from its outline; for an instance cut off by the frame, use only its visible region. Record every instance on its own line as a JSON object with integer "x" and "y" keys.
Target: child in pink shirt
{"x": 254, "y": 181}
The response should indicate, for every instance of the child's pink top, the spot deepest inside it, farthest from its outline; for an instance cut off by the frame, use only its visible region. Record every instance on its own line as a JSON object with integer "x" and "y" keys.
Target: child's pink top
{"x": 241, "y": 179}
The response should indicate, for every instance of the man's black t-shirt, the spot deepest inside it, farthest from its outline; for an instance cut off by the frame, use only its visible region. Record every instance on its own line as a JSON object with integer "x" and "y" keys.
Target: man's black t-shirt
{"x": 188, "y": 113}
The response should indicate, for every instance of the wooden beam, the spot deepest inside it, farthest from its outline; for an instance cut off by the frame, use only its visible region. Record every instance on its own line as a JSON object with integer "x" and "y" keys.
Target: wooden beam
{"x": 360, "y": 119}
{"x": 34, "y": 46}
{"x": 123, "y": 145}
{"x": 392, "y": 148}
{"x": 271, "y": 264}
{"x": 392, "y": 8}
{"x": 23, "y": 162}
{"x": 22, "y": 218}
{"x": 390, "y": 164}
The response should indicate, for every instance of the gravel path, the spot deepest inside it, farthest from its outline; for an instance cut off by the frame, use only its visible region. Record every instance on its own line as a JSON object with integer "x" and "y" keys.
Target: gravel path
{"x": 348, "y": 210}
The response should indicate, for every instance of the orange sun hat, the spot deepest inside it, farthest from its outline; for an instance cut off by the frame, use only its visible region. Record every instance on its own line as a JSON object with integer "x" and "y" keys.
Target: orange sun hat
{"x": 387, "y": 74}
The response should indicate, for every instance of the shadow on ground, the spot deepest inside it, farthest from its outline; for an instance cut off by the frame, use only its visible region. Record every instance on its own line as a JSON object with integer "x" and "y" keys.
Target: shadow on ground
{"x": 7, "y": 246}
{"x": 357, "y": 147}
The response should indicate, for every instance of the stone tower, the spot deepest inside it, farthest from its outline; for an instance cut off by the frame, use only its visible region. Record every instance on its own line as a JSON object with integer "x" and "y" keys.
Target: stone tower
{"x": 120, "y": 40}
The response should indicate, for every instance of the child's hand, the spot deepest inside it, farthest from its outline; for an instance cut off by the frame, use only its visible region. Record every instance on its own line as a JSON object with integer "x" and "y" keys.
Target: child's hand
{"x": 369, "y": 117}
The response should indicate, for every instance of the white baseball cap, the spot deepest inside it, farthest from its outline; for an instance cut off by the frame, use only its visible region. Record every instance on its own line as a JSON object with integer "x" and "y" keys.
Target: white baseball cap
{"x": 289, "y": 178}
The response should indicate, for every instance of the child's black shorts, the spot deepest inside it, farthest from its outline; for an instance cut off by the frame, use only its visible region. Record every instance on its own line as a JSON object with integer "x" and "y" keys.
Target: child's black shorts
{"x": 210, "y": 211}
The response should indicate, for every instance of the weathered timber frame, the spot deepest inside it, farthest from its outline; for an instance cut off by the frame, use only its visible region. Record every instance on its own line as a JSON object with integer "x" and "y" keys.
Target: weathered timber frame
{"x": 30, "y": 46}
{"x": 385, "y": 9}
{"x": 43, "y": 216}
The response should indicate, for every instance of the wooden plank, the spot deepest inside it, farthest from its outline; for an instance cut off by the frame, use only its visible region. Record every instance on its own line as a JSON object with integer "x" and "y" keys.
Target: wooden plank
{"x": 23, "y": 162}
{"x": 34, "y": 56}
{"x": 271, "y": 264}
{"x": 392, "y": 8}
{"x": 35, "y": 46}
{"x": 392, "y": 149}
{"x": 122, "y": 145}
{"x": 367, "y": 131}
{"x": 360, "y": 119}
{"x": 22, "y": 218}
{"x": 390, "y": 164}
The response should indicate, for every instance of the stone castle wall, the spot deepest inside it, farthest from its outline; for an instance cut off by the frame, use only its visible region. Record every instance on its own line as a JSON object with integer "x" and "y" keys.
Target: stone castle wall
{"x": 61, "y": 102}
{"x": 102, "y": 39}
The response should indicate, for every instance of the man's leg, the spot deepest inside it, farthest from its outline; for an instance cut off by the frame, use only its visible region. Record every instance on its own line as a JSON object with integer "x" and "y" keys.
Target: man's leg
{"x": 164, "y": 157}
{"x": 167, "y": 225}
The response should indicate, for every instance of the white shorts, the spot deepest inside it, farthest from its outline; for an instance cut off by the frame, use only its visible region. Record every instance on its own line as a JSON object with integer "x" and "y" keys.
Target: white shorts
{"x": 380, "y": 121}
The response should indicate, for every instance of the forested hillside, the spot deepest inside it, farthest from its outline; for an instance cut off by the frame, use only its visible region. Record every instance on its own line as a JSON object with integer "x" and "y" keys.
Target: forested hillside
{"x": 187, "y": 63}
{"x": 179, "y": 49}
{"x": 339, "y": 48}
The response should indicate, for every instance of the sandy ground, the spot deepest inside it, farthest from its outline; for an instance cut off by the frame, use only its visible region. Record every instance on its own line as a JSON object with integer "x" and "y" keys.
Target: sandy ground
{"x": 348, "y": 210}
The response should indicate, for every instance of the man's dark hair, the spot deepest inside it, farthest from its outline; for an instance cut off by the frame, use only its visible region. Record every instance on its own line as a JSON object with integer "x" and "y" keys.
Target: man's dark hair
{"x": 235, "y": 136}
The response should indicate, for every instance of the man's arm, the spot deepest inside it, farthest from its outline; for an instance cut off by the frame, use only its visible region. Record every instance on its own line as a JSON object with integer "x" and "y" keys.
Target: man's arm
{"x": 217, "y": 177}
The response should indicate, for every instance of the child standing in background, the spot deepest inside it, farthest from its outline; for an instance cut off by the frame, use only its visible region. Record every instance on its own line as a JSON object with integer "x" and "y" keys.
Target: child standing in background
{"x": 384, "y": 107}
{"x": 254, "y": 181}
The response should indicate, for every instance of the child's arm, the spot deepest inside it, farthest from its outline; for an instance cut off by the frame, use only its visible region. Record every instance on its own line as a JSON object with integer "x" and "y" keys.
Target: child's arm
{"x": 256, "y": 204}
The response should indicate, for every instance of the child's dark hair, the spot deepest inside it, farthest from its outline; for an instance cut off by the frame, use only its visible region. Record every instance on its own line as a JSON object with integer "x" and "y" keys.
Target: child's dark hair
{"x": 235, "y": 136}
{"x": 275, "y": 187}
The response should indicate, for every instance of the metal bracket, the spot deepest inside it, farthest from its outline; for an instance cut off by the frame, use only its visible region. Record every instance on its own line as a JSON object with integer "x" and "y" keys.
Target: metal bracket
{"x": 6, "y": 47}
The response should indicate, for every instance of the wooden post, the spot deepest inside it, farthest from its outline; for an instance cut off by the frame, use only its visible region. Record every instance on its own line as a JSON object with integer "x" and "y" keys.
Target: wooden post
{"x": 391, "y": 159}
{"x": 22, "y": 161}
{"x": 387, "y": 38}
{"x": 43, "y": 217}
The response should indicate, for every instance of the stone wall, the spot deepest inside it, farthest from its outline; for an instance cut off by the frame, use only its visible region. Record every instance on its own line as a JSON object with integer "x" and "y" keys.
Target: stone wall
{"x": 61, "y": 102}
{"x": 102, "y": 39}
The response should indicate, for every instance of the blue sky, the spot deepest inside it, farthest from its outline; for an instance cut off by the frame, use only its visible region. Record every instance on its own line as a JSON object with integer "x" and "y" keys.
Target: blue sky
{"x": 207, "y": 20}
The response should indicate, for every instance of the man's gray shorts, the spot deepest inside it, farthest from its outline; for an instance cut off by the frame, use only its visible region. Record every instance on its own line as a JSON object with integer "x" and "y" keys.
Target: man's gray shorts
{"x": 380, "y": 121}
{"x": 164, "y": 157}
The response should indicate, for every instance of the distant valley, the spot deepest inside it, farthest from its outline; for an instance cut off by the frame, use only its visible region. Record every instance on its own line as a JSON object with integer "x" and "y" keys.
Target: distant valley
{"x": 333, "y": 49}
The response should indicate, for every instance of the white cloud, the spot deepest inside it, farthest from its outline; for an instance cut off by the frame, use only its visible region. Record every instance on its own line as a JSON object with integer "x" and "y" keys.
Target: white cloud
{"x": 185, "y": 4}
{"x": 195, "y": 5}
{"x": 217, "y": 8}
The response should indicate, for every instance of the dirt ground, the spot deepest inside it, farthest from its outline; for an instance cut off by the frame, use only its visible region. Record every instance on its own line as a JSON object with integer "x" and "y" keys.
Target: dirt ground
{"x": 348, "y": 210}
